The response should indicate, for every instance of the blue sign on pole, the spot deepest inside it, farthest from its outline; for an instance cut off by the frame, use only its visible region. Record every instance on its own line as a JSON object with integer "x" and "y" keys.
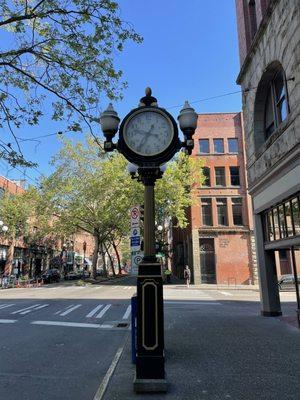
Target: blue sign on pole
{"x": 135, "y": 241}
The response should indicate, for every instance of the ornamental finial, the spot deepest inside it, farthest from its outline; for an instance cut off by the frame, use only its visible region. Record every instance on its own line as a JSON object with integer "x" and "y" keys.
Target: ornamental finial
{"x": 148, "y": 91}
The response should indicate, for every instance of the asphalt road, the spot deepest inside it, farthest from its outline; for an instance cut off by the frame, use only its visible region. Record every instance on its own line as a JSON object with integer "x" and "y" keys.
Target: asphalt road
{"x": 59, "y": 341}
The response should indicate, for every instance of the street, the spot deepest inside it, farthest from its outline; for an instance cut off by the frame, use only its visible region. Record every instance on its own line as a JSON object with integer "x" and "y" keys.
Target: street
{"x": 59, "y": 341}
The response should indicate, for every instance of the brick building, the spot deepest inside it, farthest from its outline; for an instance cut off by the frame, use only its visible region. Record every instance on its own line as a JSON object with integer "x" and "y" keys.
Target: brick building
{"x": 218, "y": 243}
{"x": 269, "y": 46}
{"x": 37, "y": 257}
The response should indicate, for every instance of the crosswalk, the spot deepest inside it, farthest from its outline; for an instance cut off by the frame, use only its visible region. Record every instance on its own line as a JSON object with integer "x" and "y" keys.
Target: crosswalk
{"x": 97, "y": 312}
{"x": 95, "y": 287}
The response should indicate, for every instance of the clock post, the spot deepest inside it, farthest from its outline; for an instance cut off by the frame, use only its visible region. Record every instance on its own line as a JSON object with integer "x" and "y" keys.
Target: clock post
{"x": 148, "y": 138}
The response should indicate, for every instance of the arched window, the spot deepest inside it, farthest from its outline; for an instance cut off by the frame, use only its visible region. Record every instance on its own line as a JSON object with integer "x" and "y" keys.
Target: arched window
{"x": 271, "y": 103}
{"x": 276, "y": 106}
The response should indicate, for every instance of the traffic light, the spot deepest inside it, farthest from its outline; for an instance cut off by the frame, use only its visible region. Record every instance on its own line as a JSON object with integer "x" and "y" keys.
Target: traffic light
{"x": 142, "y": 210}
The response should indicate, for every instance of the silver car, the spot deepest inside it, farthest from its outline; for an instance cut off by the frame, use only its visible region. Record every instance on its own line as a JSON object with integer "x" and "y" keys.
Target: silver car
{"x": 287, "y": 282}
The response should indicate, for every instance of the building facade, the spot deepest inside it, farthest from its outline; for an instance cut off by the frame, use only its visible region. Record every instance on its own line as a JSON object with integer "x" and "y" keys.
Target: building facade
{"x": 269, "y": 46}
{"x": 219, "y": 242}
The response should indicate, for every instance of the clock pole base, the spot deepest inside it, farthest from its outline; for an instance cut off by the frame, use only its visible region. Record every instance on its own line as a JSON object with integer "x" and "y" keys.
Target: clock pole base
{"x": 150, "y": 385}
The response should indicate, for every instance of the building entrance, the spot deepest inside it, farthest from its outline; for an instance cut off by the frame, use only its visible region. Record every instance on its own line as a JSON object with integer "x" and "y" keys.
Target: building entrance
{"x": 207, "y": 261}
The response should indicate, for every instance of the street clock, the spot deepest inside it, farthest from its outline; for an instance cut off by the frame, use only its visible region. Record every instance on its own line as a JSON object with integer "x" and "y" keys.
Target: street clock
{"x": 148, "y": 135}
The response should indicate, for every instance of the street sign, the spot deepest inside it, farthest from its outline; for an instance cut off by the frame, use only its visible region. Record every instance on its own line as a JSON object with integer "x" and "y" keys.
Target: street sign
{"x": 135, "y": 260}
{"x": 135, "y": 232}
{"x": 135, "y": 243}
{"x": 135, "y": 217}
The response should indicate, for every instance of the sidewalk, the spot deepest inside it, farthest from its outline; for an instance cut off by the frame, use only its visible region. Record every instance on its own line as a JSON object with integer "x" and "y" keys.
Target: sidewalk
{"x": 225, "y": 352}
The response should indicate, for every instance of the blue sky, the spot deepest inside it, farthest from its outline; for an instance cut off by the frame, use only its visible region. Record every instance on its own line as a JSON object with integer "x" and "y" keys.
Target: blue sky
{"x": 189, "y": 51}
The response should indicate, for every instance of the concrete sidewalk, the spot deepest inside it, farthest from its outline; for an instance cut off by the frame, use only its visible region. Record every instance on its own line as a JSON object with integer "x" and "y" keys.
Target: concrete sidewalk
{"x": 221, "y": 352}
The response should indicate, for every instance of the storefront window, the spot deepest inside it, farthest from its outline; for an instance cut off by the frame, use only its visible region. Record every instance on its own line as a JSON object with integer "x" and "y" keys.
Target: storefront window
{"x": 296, "y": 216}
{"x": 276, "y": 224}
{"x": 288, "y": 218}
{"x": 282, "y": 221}
{"x": 270, "y": 226}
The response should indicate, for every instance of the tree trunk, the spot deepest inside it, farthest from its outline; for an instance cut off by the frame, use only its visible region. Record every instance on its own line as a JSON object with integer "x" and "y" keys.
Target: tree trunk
{"x": 110, "y": 259}
{"x": 10, "y": 257}
{"x": 118, "y": 257}
{"x": 103, "y": 260}
{"x": 95, "y": 256}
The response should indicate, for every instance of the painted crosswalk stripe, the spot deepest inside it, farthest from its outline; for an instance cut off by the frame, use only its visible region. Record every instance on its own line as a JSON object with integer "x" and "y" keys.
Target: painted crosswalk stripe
{"x": 7, "y": 321}
{"x": 24, "y": 309}
{"x": 93, "y": 312}
{"x": 69, "y": 310}
{"x": 58, "y": 312}
{"x": 225, "y": 293}
{"x": 34, "y": 309}
{"x": 5, "y": 306}
{"x": 72, "y": 324}
{"x": 101, "y": 313}
{"x": 127, "y": 312}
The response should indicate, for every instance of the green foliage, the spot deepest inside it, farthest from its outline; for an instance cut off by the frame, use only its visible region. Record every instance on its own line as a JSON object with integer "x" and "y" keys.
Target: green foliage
{"x": 63, "y": 51}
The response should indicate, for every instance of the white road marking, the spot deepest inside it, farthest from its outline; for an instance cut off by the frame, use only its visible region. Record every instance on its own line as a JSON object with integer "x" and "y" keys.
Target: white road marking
{"x": 7, "y": 321}
{"x": 199, "y": 303}
{"x": 102, "y": 388}
{"x": 5, "y": 306}
{"x": 93, "y": 312}
{"x": 69, "y": 310}
{"x": 127, "y": 312}
{"x": 58, "y": 312}
{"x": 24, "y": 309}
{"x": 33, "y": 309}
{"x": 225, "y": 293}
{"x": 72, "y": 324}
{"x": 101, "y": 313}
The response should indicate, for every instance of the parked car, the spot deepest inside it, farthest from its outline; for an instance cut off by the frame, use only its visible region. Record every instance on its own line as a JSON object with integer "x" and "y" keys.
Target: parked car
{"x": 287, "y": 282}
{"x": 51, "y": 275}
{"x": 71, "y": 276}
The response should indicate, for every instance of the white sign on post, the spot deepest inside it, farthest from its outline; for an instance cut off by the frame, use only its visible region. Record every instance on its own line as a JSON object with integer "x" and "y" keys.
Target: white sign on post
{"x": 135, "y": 239}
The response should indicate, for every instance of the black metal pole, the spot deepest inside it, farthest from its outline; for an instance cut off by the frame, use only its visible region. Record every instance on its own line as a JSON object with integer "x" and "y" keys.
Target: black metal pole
{"x": 150, "y": 360}
{"x": 296, "y": 283}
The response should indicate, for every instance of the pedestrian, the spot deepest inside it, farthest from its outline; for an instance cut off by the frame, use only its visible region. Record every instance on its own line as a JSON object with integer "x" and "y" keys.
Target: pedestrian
{"x": 5, "y": 281}
{"x": 168, "y": 275}
{"x": 187, "y": 275}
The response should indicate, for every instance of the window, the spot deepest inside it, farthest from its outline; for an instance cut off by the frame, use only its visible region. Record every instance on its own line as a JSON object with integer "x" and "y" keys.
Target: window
{"x": 220, "y": 176}
{"x": 296, "y": 215}
{"x": 237, "y": 211}
{"x": 234, "y": 176}
{"x": 276, "y": 224}
{"x": 222, "y": 211}
{"x": 276, "y": 106}
{"x": 288, "y": 219}
{"x": 282, "y": 221}
{"x": 206, "y": 212}
{"x": 270, "y": 226}
{"x": 252, "y": 18}
{"x": 206, "y": 175}
{"x": 204, "y": 146}
{"x": 233, "y": 145}
{"x": 218, "y": 146}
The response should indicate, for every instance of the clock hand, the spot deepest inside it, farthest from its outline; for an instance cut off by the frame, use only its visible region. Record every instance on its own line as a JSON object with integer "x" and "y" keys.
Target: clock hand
{"x": 145, "y": 138}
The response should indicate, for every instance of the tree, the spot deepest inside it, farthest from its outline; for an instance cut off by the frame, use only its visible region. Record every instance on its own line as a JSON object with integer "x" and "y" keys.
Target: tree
{"x": 62, "y": 51}
{"x": 15, "y": 211}
{"x": 89, "y": 192}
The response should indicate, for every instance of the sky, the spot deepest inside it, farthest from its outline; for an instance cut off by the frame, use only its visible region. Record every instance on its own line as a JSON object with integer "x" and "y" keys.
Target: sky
{"x": 189, "y": 52}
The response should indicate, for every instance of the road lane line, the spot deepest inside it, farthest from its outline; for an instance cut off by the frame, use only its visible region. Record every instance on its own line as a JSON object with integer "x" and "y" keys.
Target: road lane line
{"x": 72, "y": 324}
{"x": 93, "y": 312}
{"x": 103, "y": 386}
{"x": 5, "y": 306}
{"x": 199, "y": 303}
{"x": 24, "y": 309}
{"x": 7, "y": 321}
{"x": 58, "y": 312}
{"x": 69, "y": 310}
{"x": 101, "y": 313}
{"x": 127, "y": 312}
{"x": 33, "y": 309}
{"x": 225, "y": 293}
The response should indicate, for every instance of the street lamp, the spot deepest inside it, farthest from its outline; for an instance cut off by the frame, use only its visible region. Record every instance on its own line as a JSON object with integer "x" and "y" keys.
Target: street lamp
{"x": 3, "y": 227}
{"x": 148, "y": 139}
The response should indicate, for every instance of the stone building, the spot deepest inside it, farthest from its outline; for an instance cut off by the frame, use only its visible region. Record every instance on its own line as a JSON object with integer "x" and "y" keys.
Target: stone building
{"x": 218, "y": 242}
{"x": 269, "y": 46}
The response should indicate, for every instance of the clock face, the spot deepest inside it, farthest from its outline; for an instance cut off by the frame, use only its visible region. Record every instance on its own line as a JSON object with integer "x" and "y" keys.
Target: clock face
{"x": 148, "y": 132}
